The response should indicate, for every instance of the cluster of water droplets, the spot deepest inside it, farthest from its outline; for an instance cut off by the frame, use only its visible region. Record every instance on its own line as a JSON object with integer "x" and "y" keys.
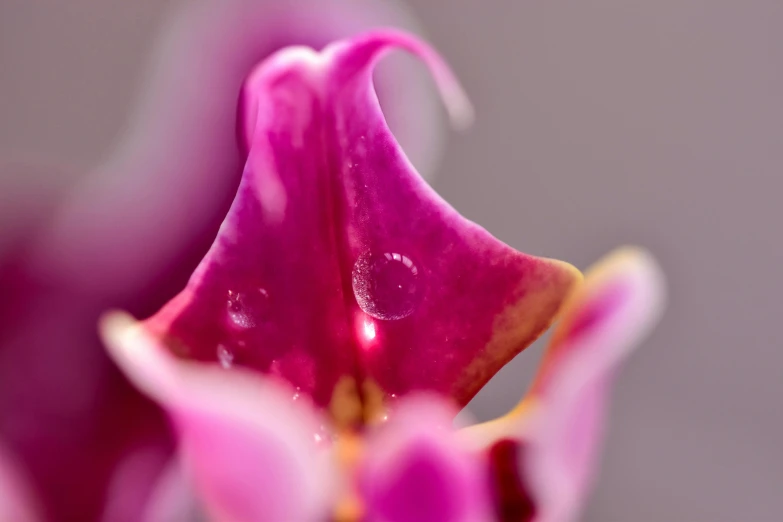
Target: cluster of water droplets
{"x": 386, "y": 285}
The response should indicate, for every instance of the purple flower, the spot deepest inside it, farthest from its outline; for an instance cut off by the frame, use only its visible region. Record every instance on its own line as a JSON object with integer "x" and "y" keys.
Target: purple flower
{"x": 314, "y": 363}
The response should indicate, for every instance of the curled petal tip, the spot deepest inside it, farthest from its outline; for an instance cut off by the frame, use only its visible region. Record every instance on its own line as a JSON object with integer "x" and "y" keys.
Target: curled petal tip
{"x": 458, "y": 105}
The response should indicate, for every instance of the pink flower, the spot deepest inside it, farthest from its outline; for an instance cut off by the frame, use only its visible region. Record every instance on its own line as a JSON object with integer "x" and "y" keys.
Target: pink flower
{"x": 314, "y": 362}
{"x": 128, "y": 236}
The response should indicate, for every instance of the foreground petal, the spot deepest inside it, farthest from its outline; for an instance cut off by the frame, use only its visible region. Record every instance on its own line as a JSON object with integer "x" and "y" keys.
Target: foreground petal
{"x": 246, "y": 442}
{"x": 337, "y": 259}
{"x": 416, "y": 468}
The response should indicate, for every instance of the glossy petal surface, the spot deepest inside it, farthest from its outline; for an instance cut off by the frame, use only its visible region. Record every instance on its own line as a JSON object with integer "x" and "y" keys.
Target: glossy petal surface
{"x": 338, "y": 259}
{"x": 248, "y": 446}
{"x": 417, "y": 470}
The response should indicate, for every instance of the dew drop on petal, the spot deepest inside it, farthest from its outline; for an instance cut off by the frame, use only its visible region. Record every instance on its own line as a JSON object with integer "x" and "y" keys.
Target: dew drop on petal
{"x": 387, "y": 286}
{"x": 247, "y": 309}
{"x": 225, "y": 356}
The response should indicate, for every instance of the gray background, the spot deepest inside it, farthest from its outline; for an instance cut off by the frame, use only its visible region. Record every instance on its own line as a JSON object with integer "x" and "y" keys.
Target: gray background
{"x": 599, "y": 123}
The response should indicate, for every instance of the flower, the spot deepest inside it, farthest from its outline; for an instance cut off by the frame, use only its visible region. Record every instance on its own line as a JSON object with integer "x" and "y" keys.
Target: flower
{"x": 128, "y": 236}
{"x": 314, "y": 362}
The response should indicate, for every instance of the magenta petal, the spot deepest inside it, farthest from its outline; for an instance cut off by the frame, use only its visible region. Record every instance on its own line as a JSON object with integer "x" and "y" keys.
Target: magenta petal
{"x": 417, "y": 470}
{"x": 247, "y": 444}
{"x": 338, "y": 259}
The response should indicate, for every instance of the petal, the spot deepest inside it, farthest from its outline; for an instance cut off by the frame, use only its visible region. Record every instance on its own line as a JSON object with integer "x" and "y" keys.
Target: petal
{"x": 618, "y": 306}
{"x": 246, "y": 441}
{"x": 338, "y": 259}
{"x": 17, "y": 502}
{"x": 416, "y": 468}
{"x": 558, "y": 426}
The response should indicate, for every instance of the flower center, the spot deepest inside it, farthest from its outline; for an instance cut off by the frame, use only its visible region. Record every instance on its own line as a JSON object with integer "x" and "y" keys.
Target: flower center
{"x": 352, "y": 409}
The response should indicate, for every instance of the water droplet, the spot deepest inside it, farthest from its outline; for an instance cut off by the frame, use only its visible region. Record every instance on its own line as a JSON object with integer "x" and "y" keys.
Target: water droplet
{"x": 225, "y": 356}
{"x": 386, "y": 286}
{"x": 296, "y": 395}
{"x": 247, "y": 309}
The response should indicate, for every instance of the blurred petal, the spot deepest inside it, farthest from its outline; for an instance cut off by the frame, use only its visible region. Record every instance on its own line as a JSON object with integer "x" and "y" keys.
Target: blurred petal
{"x": 619, "y": 304}
{"x": 416, "y": 468}
{"x": 338, "y": 259}
{"x": 557, "y": 429}
{"x": 17, "y": 502}
{"x": 247, "y": 442}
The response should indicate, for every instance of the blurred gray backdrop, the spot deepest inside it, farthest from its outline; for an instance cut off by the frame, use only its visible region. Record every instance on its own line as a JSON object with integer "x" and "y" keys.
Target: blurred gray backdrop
{"x": 599, "y": 123}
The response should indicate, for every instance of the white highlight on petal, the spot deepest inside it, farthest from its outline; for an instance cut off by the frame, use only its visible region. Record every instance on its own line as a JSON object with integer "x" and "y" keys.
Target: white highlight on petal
{"x": 369, "y": 330}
